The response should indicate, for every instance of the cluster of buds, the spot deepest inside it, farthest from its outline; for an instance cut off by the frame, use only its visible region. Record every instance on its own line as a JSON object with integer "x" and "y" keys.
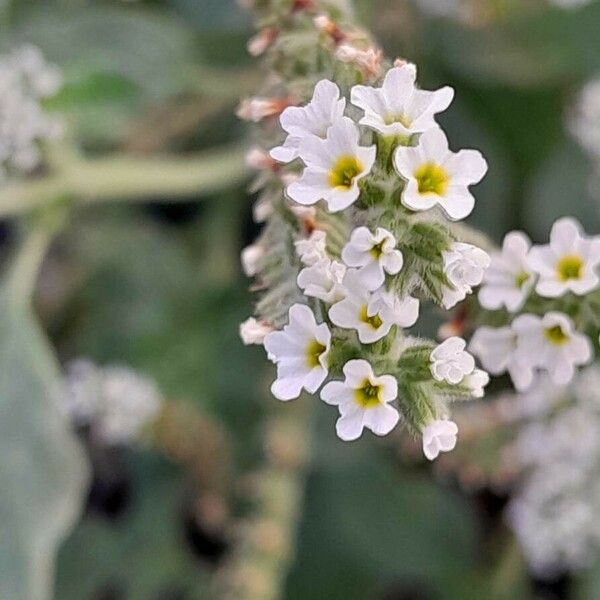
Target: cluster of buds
{"x": 358, "y": 233}
{"x": 26, "y": 80}
{"x": 115, "y": 404}
{"x": 546, "y": 300}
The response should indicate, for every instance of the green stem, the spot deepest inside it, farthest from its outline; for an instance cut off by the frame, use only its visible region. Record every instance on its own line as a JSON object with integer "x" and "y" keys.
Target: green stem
{"x": 24, "y": 270}
{"x": 123, "y": 178}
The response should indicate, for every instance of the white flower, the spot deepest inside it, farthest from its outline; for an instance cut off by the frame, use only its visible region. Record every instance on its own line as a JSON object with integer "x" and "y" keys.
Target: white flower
{"x": 476, "y": 381}
{"x": 26, "y": 79}
{"x": 314, "y": 119}
{"x": 465, "y": 266}
{"x": 130, "y": 402}
{"x": 499, "y": 350}
{"x": 372, "y": 315}
{"x": 439, "y": 436}
{"x": 585, "y": 118}
{"x": 374, "y": 254}
{"x": 323, "y": 280}
{"x": 552, "y": 342}
{"x": 312, "y": 249}
{"x": 300, "y": 351}
{"x": 334, "y": 166}
{"x": 568, "y": 263}
{"x": 253, "y": 331}
{"x": 251, "y": 257}
{"x": 436, "y": 176}
{"x": 450, "y": 362}
{"x": 363, "y": 401}
{"x": 508, "y": 280}
{"x": 398, "y": 107}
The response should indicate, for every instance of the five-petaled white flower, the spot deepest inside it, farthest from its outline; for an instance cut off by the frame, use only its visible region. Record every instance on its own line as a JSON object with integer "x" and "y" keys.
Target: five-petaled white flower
{"x": 450, "y": 362}
{"x": 552, "y": 342}
{"x": 312, "y": 249}
{"x": 363, "y": 401}
{"x": 323, "y": 280}
{"x": 314, "y": 119}
{"x": 439, "y": 436}
{"x": 464, "y": 266}
{"x": 509, "y": 279}
{"x": 499, "y": 349}
{"x": 398, "y": 108}
{"x": 436, "y": 176}
{"x": 334, "y": 166}
{"x": 253, "y": 331}
{"x": 375, "y": 254}
{"x": 568, "y": 263}
{"x": 300, "y": 352}
{"x": 371, "y": 314}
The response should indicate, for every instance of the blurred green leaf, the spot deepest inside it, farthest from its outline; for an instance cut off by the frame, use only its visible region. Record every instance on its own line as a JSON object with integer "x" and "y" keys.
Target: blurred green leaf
{"x": 528, "y": 49}
{"x": 560, "y": 187}
{"x": 115, "y": 60}
{"x": 42, "y": 467}
{"x": 142, "y": 553}
{"x": 369, "y": 526}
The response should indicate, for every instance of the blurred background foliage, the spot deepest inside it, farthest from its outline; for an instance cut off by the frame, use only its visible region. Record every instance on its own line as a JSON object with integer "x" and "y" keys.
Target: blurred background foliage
{"x": 157, "y": 286}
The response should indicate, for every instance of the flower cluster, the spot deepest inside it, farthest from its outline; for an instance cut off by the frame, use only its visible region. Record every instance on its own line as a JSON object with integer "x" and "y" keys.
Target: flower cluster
{"x": 26, "y": 79}
{"x": 553, "y": 511}
{"x": 114, "y": 402}
{"x": 549, "y": 296}
{"x": 359, "y": 195}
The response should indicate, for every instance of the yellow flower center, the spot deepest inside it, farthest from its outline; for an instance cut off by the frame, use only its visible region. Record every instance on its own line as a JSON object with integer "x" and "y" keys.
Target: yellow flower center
{"x": 402, "y": 119}
{"x": 313, "y": 353}
{"x": 344, "y": 171}
{"x": 570, "y": 267}
{"x": 432, "y": 179}
{"x": 374, "y": 321}
{"x": 368, "y": 395}
{"x": 377, "y": 250}
{"x": 555, "y": 335}
{"x": 521, "y": 279}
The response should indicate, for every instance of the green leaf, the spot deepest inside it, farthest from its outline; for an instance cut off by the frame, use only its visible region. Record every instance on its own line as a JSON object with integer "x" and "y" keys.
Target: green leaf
{"x": 43, "y": 472}
{"x": 130, "y": 58}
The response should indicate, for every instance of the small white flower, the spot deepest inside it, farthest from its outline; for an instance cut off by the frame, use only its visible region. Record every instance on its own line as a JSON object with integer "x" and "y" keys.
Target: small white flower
{"x": 439, "y": 436}
{"x": 334, "y": 166}
{"x": 323, "y": 280}
{"x": 553, "y": 343}
{"x": 313, "y": 249}
{"x": 372, "y": 315}
{"x": 476, "y": 381}
{"x": 251, "y": 257}
{"x": 300, "y": 351}
{"x": 450, "y": 362}
{"x": 398, "y": 107}
{"x": 363, "y": 401}
{"x": 325, "y": 108}
{"x": 253, "y": 331}
{"x": 436, "y": 176}
{"x": 499, "y": 350}
{"x": 464, "y": 265}
{"x": 508, "y": 280}
{"x": 568, "y": 263}
{"x": 375, "y": 254}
